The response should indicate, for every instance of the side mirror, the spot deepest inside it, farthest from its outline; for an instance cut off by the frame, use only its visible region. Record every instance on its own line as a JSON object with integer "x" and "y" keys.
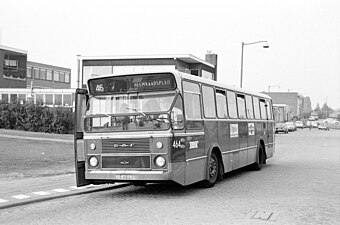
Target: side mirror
{"x": 177, "y": 121}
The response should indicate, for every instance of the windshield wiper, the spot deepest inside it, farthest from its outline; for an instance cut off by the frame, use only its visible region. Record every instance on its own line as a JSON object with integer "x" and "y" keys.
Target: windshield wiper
{"x": 100, "y": 115}
{"x": 136, "y": 110}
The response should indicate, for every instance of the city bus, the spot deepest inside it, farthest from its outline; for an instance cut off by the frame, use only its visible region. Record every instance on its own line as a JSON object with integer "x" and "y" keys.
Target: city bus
{"x": 168, "y": 126}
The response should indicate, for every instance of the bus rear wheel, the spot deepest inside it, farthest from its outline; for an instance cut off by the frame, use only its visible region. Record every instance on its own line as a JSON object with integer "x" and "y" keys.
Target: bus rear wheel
{"x": 213, "y": 171}
{"x": 260, "y": 159}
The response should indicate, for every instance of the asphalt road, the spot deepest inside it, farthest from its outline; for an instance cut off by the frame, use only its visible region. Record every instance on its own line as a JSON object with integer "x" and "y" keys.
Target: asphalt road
{"x": 300, "y": 185}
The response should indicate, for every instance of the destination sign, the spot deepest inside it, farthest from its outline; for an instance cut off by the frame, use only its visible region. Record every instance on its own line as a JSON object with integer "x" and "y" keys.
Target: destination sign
{"x": 134, "y": 83}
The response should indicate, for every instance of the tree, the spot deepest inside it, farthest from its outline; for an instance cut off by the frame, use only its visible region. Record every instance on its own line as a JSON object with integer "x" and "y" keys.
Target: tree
{"x": 326, "y": 110}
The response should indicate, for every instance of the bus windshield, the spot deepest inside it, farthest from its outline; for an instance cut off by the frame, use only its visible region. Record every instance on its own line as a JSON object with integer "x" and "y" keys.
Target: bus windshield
{"x": 128, "y": 112}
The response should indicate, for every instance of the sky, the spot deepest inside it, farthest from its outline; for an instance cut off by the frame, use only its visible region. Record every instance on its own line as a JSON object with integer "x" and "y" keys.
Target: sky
{"x": 303, "y": 37}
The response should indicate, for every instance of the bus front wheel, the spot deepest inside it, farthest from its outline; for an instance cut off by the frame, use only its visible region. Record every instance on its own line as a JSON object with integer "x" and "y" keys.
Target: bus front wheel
{"x": 213, "y": 171}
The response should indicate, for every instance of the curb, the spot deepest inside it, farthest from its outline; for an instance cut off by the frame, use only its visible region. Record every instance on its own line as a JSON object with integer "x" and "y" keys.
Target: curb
{"x": 36, "y": 138}
{"x": 75, "y": 192}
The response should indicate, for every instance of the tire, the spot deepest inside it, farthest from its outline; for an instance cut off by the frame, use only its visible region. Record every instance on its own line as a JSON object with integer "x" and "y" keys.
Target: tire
{"x": 260, "y": 159}
{"x": 213, "y": 171}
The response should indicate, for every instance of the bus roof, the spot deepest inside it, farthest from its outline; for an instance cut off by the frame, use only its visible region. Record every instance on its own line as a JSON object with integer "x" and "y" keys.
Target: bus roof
{"x": 190, "y": 77}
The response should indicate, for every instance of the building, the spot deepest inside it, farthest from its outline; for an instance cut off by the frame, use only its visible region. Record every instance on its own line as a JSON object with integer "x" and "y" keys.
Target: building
{"x": 47, "y": 76}
{"x": 281, "y": 113}
{"x": 307, "y": 106}
{"x": 25, "y": 81}
{"x": 293, "y": 99}
{"x": 93, "y": 66}
{"x": 13, "y": 64}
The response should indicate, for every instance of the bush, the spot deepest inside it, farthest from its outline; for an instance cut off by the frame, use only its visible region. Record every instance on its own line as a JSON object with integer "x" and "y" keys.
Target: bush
{"x": 30, "y": 117}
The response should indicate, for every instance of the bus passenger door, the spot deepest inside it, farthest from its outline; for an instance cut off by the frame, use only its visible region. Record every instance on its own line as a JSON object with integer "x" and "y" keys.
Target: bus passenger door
{"x": 80, "y": 108}
{"x": 270, "y": 129}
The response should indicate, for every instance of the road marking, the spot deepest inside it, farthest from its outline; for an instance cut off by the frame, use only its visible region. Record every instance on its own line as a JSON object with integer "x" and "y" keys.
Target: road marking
{"x": 21, "y": 196}
{"x": 41, "y": 193}
{"x": 60, "y": 190}
{"x": 3, "y": 200}
{"x": 262, "y": 215}
{"x": 49, "y": 192}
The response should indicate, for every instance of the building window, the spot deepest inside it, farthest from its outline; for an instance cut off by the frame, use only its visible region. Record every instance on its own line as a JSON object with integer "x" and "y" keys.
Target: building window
{"x": 39, "y": 99}
{"x": 43, "y": 74}
{"x": 11, "y": 64}
{"x": 49, "y": 75}
{"x": 22, "y": 98}
{"x": 56, "y": 75}
{"x": 58, "y": 99}
{"x": 67, "y": 100}
{"x": 13, "y": 98}
{"x": 62, "y": 77}
{"x": 49, "y": 99}
{"x": 36, "y": 73}
{"x": 67, "y": 77}
{"x": 29, "y": 72}
{"x": 4, "y": 98}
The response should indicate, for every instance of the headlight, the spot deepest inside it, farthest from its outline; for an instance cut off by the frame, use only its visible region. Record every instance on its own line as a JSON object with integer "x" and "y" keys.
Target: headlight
{"x": 160, "y": 161}
{"x": 159, "y": 145}
{"x": 93, "y": 161}
{"x": 92, "y": 146}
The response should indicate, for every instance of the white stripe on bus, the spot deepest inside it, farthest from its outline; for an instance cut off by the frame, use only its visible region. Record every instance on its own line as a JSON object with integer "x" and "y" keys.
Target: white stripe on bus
{"x": 196, "y": 158}
{"x": 143, "y": 135}
{"x": 127, "y": 172}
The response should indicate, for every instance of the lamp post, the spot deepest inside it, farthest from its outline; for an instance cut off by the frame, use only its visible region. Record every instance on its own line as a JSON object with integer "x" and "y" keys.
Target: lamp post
{"x": 251, "y": 43}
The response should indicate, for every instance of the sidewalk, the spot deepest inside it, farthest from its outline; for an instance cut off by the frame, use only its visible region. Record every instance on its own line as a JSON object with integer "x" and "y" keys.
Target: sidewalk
{"x": 67, "y": 138}
{"x": 37, "y": 167}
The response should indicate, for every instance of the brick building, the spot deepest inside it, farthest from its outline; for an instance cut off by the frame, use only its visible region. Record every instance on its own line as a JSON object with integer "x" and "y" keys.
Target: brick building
{"x": 25, "y": 81}
{"x": 47, "y": 76}
{"x": 13, "y": 64}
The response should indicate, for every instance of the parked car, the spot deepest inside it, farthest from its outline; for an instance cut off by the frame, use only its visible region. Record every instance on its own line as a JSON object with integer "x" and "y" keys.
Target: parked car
{"x": 281, "y": 127}
{"x": 323, "y": 126}
{"x": 291, "y": 126}
{"x": 314, "y": 124}
{"x": 299, "y": 124}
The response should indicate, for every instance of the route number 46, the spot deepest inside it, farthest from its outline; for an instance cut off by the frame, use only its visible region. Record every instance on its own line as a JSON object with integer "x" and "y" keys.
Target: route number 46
{"x": 100, "y": 88}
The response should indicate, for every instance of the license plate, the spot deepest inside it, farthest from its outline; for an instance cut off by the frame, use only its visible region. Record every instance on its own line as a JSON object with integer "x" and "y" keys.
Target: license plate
{"x": 124, "y": 177}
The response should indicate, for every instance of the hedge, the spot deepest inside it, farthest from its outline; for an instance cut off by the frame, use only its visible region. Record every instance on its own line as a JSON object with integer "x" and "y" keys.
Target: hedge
{"x": 30, "y": 117}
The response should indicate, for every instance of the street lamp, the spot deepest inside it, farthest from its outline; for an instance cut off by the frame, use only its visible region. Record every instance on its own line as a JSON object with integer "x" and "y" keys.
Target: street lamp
{"x": 251, "y": 43}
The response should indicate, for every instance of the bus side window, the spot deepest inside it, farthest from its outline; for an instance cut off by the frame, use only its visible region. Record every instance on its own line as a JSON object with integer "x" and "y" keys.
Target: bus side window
{"x": 221, "y": 104}
{"x": 241, "y": 106}
{"x": 269, "y": 110}
{"x": 232, "y": 107}
{"x": 208, "y": 102}
{"x": 249, "y": 107}
{"x": 263, "y": 109}
{"x": 256, "y": 108}
{"x": 192, "y": 101}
